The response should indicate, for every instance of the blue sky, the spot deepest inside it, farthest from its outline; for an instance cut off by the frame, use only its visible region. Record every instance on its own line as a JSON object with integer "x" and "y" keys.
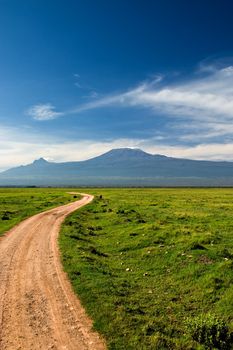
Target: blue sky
{"x": 81, "y": 77}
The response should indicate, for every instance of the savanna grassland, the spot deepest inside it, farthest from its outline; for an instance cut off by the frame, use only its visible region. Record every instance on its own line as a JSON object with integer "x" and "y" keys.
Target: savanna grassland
{"x": 17, "y": 204}
{"x": 153, "y": 267}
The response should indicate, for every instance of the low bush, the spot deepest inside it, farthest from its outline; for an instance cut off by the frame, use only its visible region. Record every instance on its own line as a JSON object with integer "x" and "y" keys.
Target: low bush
{"x": 210, "y": 331}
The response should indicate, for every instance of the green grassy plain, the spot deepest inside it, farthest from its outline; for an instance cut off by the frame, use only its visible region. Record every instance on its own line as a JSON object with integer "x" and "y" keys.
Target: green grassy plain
{"x": 17, "y": 204}
{"x": 143, "y": 261}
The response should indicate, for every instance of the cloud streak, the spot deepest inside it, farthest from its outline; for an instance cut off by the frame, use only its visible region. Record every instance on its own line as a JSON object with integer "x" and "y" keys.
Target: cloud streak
{"x": 208, "y": 98}
{"x": 43, "y": 112}
{"x": 197, "y": 109}
{"x": 202, "y": 106}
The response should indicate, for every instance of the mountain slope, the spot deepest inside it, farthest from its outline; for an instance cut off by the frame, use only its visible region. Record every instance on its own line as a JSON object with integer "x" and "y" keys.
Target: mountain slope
{"x": 122, "y": 166}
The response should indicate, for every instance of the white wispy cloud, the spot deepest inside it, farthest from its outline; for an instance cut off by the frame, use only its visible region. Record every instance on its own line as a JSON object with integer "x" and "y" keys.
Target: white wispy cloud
{"x": 43, "y": 112}
{"x": 209, "y": 94}
{"x": 77, "y": 81}
{"x": 201, "y": 105}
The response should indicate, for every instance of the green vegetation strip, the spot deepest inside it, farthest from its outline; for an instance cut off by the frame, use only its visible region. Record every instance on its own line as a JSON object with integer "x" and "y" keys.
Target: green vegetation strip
{"x": 153, "y": 267}
{"x": 19, "y": 203}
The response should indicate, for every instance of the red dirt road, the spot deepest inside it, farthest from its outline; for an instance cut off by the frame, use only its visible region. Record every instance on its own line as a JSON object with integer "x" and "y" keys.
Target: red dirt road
{"x": 38, "y": 309}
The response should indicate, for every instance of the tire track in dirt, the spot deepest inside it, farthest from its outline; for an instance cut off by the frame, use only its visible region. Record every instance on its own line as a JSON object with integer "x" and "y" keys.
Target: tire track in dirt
{"x": 38, "y": 308}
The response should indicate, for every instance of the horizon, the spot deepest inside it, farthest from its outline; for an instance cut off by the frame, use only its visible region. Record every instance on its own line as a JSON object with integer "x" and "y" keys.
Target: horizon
{"x": 113, "y": 149}
{"x": 80, "y": 79}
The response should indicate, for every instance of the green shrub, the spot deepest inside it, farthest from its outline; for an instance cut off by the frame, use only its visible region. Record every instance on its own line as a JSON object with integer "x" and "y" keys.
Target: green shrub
{"x": 5, "y": 216}
{"x": 210, "y": 331}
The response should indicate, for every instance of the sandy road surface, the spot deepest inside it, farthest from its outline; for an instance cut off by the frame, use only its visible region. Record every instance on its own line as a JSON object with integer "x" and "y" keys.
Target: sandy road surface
{"x": 38, "y": 309}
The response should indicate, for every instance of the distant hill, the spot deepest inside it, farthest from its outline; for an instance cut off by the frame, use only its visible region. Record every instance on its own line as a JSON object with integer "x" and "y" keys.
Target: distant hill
{"x": 122, "y": 167}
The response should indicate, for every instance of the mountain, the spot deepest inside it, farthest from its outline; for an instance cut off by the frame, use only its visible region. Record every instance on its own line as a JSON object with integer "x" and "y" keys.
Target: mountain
{"x": 122, "y": 167}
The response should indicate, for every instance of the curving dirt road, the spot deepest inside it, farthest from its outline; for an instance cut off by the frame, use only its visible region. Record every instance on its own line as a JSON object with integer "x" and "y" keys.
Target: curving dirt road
{"x": 38, "y": 309}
